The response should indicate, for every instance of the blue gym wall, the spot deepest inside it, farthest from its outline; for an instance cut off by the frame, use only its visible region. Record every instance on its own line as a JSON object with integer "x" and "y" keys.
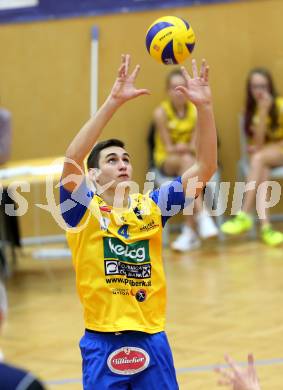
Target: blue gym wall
{"x": 54, "y": 9}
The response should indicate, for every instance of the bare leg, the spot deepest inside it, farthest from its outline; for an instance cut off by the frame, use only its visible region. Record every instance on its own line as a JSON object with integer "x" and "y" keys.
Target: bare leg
{"x": 261, "y": 162}
{"x": 258, "y": 173}
{"x": 261, "y": 199}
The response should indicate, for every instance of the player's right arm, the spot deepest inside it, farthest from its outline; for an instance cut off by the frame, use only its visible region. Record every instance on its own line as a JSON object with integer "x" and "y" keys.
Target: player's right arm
{"x": 122, "y": 91}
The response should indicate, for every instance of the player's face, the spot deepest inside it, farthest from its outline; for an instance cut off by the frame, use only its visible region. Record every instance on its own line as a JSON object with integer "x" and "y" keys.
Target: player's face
{"x": 259, "y": 86}
{"x": 176, "y": 97}
{"x": 114, "y": 166}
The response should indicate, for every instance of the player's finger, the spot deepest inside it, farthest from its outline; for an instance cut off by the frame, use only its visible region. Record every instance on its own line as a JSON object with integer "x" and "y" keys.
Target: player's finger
{"x": 225, "y": 374}
{"x": 206, "y": 73}
{"x": 185, "y": 73}
{"x": 121, "y": 70}
{"x": 224, "y": 382}
{"x": 135, "y": 72}
{"x": 251, "y": 366}
{"x": 127, "y": 63}
{"x": 250, "y": 360}
{"x": 230, "y": 361}
{"x": 232, "y": 364}
{"x": 140, "y": 92}
{"x": 123, "y": 59}
{"x": 194, "y": 69}
{"x": 202, "y": 69}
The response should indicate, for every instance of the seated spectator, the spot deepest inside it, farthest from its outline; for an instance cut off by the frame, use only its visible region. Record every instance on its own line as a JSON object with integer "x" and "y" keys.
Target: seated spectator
{"x": 5, "y": 135}
{"x": 11, "y": 223}
{"x": 14, "y": 378}
{"x": 174, "y": 122}
{"x": 264, "y": 130}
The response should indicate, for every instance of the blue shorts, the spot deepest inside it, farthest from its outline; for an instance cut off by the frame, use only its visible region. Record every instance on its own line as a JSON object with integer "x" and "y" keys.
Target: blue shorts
{"x": 127, "y": 361}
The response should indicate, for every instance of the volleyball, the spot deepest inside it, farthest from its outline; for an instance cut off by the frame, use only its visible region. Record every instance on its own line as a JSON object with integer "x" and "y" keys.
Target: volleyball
{"x": 170, "y": 40}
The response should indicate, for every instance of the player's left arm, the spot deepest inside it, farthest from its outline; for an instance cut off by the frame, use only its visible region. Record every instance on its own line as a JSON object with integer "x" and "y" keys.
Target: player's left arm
{"x": 198, "y": 92}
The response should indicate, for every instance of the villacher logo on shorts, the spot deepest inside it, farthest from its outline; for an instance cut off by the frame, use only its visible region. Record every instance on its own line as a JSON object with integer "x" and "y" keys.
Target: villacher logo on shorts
{"x": 128, "y": 360}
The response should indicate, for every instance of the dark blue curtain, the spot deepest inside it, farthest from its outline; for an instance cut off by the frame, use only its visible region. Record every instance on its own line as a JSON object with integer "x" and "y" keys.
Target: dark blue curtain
{"x": 51, "y": 9}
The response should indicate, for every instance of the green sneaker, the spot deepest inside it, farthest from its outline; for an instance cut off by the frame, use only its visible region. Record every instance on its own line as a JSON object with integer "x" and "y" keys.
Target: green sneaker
{"x": 271, "y": 237}
{"x": 241, "y": 223}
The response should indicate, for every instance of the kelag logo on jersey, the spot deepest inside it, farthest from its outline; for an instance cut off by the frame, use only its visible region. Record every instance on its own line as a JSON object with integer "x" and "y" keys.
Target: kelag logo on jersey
{"x": 137, "y": 252}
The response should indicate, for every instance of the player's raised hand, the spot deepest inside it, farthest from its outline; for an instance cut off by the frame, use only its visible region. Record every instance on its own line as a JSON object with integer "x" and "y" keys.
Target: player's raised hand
{"x": 124, "y": 88}
{"x": 197, "y": 89}
{"x": 239, "y": 378}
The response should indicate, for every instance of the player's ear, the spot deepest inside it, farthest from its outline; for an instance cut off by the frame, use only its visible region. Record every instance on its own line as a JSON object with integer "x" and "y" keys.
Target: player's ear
{"x": 94, "y": 173}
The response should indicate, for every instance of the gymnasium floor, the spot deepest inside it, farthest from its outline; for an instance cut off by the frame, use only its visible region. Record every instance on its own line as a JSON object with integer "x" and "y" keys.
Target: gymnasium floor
{"x": 224, "y": 298}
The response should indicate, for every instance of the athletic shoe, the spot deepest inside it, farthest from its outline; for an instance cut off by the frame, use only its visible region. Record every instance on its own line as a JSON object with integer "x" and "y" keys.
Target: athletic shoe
{"x": 187, "y": 240}
{"x": 271, "y": 237}
{"x": 206, "y": 226}
{"x": 241, "y": 223}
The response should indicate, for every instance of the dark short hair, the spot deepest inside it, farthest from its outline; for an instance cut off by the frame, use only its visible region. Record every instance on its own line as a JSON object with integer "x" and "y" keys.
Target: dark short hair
{"x": 93, "y": 158}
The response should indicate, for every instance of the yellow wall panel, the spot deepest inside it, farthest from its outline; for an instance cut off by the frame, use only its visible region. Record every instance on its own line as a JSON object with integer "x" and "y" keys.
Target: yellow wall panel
{"x": 45, "y": 73}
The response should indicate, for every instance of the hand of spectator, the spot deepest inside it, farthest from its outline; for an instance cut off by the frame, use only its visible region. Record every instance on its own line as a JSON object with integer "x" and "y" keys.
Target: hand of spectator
{"x": 265, "y": 103}
{"x": 238, "y": 378}
{"x": 171, "y": 149}
{"x": 181, "y": 148}
{"x": 252, "y": 149}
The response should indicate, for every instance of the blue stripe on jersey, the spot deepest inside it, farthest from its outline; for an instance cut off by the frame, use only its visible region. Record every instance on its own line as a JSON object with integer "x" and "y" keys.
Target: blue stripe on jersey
{"x": 168, "y": 53}
{"x": 74, "y": 204}
{"x": 170, "y": 198}
{"x": 153, "y": 31}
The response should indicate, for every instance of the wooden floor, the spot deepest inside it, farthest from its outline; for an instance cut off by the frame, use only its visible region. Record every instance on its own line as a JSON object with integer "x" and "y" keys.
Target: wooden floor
{"x": 224, "y": 298}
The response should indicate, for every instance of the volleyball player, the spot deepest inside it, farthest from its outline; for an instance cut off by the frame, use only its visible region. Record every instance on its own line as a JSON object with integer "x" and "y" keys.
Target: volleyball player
{"x": 116, "y": 241}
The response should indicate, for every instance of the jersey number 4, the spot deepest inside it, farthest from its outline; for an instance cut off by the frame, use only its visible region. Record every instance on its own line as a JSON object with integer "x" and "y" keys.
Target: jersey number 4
{"x": 123, "y": 231}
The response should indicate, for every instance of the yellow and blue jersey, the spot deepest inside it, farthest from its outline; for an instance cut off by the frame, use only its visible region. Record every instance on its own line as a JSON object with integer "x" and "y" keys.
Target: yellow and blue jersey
{"x": 273, "y": 135}
{"x": 117, "y": 256}
{"x": 180, "y": 129}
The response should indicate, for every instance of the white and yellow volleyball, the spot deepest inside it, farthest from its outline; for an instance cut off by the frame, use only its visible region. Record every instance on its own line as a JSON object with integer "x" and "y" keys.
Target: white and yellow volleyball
{"x": 170, "y": 40}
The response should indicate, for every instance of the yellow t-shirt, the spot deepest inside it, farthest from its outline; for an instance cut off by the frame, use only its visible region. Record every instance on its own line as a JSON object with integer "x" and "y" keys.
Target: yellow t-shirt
{"x": 273, "y": 135}
{"x": 118, "y": 263}
{"x": 180, "y": 129}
